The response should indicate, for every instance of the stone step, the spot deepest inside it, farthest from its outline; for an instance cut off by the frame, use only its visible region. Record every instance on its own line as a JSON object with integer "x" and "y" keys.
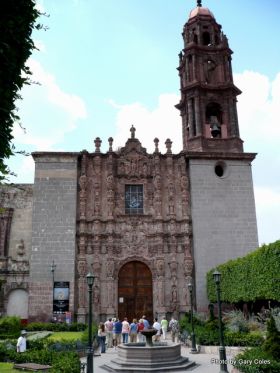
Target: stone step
{"x": 144, "y": 368}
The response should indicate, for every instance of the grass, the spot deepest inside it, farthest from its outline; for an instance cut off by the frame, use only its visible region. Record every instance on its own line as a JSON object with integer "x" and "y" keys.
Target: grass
{"x": 7, "y": 368}
{"x": 66, "y": 336}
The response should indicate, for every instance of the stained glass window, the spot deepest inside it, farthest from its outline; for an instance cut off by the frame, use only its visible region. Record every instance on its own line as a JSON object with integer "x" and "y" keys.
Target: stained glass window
{"x": 134, "y": 199}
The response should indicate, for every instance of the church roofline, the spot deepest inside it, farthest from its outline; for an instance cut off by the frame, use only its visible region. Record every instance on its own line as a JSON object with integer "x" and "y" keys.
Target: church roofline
{"x": 220, "y": 155}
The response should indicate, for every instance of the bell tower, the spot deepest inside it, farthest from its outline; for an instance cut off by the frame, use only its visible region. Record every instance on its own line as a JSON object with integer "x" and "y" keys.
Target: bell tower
{"x": 208, "y": 94}
{"x": 222, "y": 205}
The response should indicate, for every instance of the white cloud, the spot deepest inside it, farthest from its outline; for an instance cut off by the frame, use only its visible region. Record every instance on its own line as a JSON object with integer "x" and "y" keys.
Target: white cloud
{"x": 162, "y": 122}
{"x": 48, "y": 113}
{"x": 71, "y": 104}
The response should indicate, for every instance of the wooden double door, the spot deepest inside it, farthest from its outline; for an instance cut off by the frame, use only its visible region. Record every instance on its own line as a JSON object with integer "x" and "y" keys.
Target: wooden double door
{"x": 135, "y": 291}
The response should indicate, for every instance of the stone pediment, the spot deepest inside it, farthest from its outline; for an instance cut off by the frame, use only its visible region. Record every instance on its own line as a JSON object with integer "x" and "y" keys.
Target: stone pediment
{"x": 132, "y": 148}
{"x": 133, "y": 159}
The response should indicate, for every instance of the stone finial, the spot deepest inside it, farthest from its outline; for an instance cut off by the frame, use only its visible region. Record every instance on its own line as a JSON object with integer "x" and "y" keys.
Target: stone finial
{"x": 168, "y": 144}
{"x": 110, "y": 140}
{"x": 97, "y": 143}
{"x": 132, "y": 130}
{"x": 156, "y": 141}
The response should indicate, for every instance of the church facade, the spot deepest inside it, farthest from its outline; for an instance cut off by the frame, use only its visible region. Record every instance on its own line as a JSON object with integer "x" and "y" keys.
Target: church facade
{"x": 145, "y": 224}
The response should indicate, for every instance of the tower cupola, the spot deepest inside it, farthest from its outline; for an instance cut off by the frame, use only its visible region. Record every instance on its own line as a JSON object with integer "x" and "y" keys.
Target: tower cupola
{"x": 208, "y": 94}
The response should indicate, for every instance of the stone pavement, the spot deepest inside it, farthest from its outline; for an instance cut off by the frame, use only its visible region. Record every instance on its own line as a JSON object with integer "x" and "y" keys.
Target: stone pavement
{"x": 205, "y": 362}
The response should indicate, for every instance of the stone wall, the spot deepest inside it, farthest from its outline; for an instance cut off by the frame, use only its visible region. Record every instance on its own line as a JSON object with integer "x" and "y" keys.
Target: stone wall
{"x": 223, "y": 216}
{"x": 54, "y": 229}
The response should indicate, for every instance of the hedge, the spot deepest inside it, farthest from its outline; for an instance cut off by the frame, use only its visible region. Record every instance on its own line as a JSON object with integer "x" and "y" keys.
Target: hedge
{"x": 255, "y": 276}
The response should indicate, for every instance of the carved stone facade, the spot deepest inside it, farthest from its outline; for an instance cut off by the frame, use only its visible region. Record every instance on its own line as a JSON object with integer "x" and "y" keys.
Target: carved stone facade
{"x": 15, "y": 240}
{"x": 108, "y": 236}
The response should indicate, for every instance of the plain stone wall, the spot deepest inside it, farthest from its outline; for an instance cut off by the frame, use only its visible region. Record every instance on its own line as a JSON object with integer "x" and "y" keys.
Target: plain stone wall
{"x": 53, "y": 230}
{"x": 223, "y": 216}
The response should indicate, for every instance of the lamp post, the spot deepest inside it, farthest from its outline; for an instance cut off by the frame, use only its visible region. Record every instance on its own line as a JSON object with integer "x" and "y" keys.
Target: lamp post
{"x": 90, "y": 280}
{"x": 53, "y": 267}
{"x": 222, "y": 350}
{"x": 193, "y": 349}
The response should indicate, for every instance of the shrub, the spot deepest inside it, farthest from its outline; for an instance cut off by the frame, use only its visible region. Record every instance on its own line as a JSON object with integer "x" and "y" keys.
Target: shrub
{"x": 236, "y": 321}
{"x": 66, "y": 362}
{"x": 243, "y": 339}
{"x": 10, "y": 327}
{"x": 55, "y": 327}
{"x": 275, "y": 312}
{"x": 61, "y": 362}
{"x": 94, "y": 332}
{"x": 249, "y": 278}
{"x": 257, "y": 356}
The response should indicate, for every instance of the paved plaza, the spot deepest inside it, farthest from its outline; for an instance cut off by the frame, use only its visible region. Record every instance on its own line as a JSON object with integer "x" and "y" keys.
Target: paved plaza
{"x": 205, "y": 362}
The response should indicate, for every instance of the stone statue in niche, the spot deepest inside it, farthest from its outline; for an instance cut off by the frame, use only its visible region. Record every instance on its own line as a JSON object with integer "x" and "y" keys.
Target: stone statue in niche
{"x": 173, "y": 265}
{"x": 160, "y": 293}
{"x": 174, "y": 295}
{"x": 110, "y": 181}
{"x": 83, "y": 183}
{"x": 96, "y": 268}
{"x": 96, "y": 295}
{"x": 82, "y": 268}
{"x": 209, "y": 70}
{"x": 145, "y": 170}
{"x": 160, "y": 267}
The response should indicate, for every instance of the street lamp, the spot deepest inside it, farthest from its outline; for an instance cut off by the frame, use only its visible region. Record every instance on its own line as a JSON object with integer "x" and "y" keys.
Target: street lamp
{"x": 53, "y": 267}
{"x": 193, "y": 349}
{"x": 90, "y": 280}
{"x": 222, "y": 350}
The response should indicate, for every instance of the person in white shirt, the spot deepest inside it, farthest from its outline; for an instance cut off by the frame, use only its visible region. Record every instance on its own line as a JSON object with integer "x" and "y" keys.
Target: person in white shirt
{"x": 21, "y": 342}
{"x": 157, "y": 326}
{"x": 109, "y": 332}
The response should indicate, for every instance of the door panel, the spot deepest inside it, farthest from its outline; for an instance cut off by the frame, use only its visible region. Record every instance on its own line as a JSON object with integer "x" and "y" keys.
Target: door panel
{"x": 135, "y": 291}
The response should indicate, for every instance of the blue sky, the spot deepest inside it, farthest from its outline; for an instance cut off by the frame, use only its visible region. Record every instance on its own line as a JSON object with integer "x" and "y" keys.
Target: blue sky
{"x": 105, "y": 64}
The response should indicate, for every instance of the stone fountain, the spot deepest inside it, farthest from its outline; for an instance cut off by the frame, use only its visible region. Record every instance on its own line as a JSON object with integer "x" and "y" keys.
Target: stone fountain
{"x": 149, "y": 357}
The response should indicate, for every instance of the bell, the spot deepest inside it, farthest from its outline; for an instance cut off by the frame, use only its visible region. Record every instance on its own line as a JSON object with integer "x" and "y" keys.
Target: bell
{"x": 215, "y": 130}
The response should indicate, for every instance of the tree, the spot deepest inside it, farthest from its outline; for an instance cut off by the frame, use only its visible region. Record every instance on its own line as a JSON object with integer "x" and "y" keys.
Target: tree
{"x": 17, "y": 21}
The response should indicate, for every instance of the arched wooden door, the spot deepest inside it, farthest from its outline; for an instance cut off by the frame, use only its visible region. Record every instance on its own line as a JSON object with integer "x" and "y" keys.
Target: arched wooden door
{"x": 135, "y": 291}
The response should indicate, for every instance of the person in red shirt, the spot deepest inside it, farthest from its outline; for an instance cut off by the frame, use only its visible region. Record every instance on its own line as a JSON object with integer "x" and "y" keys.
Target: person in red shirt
{"x": 140, "y": 327}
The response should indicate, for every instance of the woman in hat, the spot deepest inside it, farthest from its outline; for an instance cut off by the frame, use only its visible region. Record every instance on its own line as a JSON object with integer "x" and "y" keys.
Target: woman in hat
{"x": 21, "y": 342}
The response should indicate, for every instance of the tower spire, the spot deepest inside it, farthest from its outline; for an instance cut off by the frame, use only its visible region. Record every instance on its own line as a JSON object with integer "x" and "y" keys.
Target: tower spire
{"x": 199, "y": 3}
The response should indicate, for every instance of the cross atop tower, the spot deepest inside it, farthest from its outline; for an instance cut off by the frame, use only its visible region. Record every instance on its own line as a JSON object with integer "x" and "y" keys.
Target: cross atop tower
{"x": 132, "y": 130}
{"x": 199, "y": 3}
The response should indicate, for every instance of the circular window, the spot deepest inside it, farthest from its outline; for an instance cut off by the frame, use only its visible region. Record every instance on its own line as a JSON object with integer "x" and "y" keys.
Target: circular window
{"x": 220, "y": 169}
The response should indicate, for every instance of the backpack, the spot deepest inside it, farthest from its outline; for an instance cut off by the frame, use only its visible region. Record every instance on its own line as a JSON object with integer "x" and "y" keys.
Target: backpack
{"x": 175, "y": 326}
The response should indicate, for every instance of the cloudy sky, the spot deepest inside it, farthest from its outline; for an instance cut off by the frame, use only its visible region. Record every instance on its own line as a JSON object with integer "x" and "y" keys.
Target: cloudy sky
{"x": 105, "y": 64}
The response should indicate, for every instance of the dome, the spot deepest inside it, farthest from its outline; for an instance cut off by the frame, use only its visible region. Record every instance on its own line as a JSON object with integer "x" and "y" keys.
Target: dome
{"x": 200, "y": 11}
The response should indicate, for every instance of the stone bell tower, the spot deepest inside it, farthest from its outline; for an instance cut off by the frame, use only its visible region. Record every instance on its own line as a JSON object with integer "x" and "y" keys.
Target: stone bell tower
{"x": 221, "y": 188}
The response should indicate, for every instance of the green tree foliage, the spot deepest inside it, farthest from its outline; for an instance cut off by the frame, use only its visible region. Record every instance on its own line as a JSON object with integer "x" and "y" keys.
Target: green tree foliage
{"x": 255, "y": 276}
{"x": 17, "y": 20}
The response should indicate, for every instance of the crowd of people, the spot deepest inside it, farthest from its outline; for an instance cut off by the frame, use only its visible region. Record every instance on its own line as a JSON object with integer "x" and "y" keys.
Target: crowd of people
{"x": 114, "y": 332}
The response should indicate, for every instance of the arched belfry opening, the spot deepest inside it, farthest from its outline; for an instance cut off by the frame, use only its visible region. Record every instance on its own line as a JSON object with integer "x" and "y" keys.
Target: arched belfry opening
{"x": 214, "y": 118}
{"x": 135, "y": 291}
